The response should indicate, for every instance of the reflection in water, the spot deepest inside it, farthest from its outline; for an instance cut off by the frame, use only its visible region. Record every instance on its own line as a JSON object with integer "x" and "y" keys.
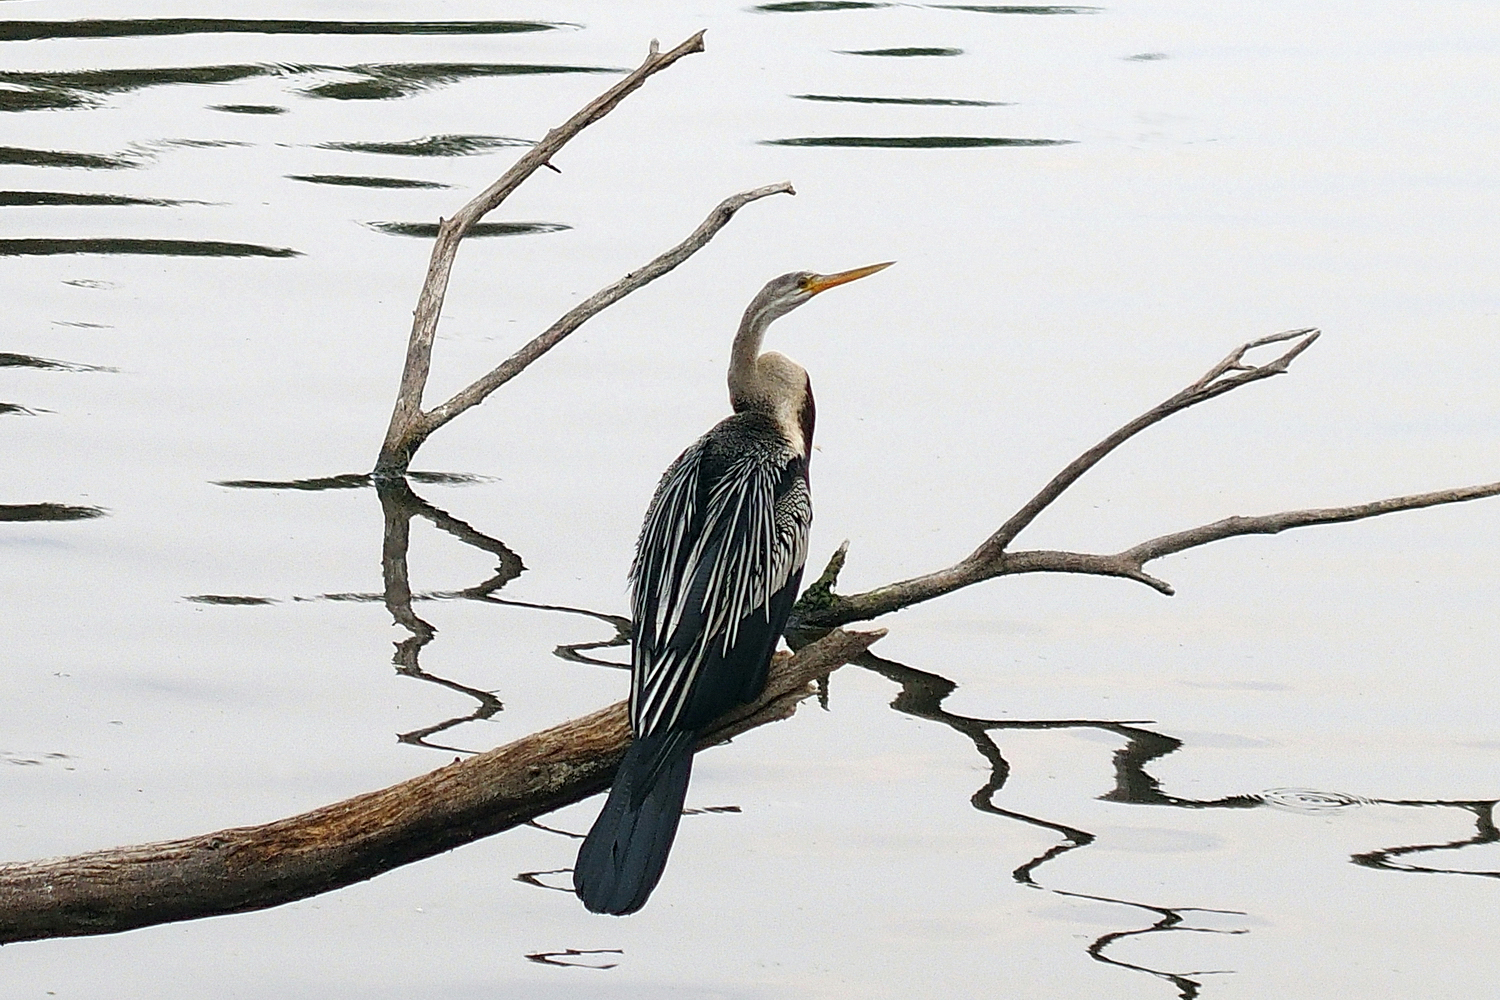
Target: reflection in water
{"x": 912, "y": 141}
{"x": 347, "y": 180}
{"x": 905, "y": 52}
{"x": 47, "y": 512}
{"x": 118, "y": 246}
{"x": 564, "y": 957}
{"x": 985, "y": 8}
{"x": 65, "y": 198}
{"x": 136, "y": 27}
{"x": 58, "y": 158}
{"x": 1169, "y": 919}
{"x": 922, "y": 695}
{"x": 30, "y": 90}
{"x": 432, "y": 145}
{"x": 536, "y": 878}
{"x": 1485, "y": 832}
{"x": 429, "y": 230}
{"x": 399, "y": 505}
{"x": 8, "y": 360}
{"x": 351, "y": 481}
{"x": 249, "y": 109}
{"x": 946, "y": 102}
{"x": 384, "y": 81}
{"x": 812, "y": 6}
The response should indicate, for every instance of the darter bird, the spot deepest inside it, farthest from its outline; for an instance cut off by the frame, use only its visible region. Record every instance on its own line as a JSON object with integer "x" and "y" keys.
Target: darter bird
{"x": 716, "y": 571}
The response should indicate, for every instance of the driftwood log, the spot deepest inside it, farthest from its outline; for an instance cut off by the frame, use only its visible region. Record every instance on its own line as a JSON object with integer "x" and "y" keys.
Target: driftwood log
{"x": 255, "y": 867}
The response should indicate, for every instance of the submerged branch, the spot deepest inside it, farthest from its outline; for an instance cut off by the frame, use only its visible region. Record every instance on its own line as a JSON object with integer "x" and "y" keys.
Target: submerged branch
{"x": 251, "y": 868}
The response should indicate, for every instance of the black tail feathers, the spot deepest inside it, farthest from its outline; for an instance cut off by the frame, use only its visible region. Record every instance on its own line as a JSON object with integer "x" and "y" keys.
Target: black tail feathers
{"x": 625, "y": 853}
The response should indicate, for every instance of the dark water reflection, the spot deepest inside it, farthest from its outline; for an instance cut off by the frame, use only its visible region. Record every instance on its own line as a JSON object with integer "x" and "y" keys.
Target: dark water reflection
{"x": 48, "y": 512}
{"x": 904, "y": 52}
{"x": 911, "y": 141}
{"x": 17, "y": 156}
{"x": 429, "y": 230}
{"x": 922, "y": 694}
{"x": 432, "y": 145}
{"x": 249, "y": 109}
{"x": 140, "y": 27}
{"x": 11, "y": 360}
{"x": 946, "y": 102}
{"x": 350, "y": 180}
{"x": 159, "y": 248}
{"x": 65, "y": 198}
{"x": 54, "y": 90}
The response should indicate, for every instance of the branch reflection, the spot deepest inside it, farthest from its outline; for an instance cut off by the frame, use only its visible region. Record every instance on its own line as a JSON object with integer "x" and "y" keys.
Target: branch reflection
{"x": 922, "y": 695}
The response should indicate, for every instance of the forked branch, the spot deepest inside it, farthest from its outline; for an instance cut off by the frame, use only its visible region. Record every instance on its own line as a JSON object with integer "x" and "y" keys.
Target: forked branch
{"x": 410, "y": 425}
{"x": 820, "y": 608}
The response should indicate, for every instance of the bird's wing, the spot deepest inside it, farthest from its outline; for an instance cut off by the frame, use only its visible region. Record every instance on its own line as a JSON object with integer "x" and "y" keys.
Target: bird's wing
{"x": 718, "y": 543}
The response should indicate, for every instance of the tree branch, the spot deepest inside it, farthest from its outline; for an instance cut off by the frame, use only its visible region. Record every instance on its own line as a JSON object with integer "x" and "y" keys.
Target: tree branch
{"x": 395, "y": 453}
{"x": 410, "y": 426}
{"x": 820, "y": 608}
{"x": 591, "y": 306}
{"x": 251, "y": 868}
{"x": 1227, "y": 375}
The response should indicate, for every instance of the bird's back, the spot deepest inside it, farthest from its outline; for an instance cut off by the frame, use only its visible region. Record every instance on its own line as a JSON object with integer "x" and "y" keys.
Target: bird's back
{"x": 716, "y": 570}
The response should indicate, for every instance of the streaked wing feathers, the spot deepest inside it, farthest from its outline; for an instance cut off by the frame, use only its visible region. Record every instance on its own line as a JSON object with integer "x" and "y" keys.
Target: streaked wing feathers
{"x": 725, "y": 532}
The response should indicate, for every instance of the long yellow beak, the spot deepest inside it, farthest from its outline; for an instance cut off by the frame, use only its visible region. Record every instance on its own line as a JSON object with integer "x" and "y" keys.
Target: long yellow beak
{"x": 822, "y": 282}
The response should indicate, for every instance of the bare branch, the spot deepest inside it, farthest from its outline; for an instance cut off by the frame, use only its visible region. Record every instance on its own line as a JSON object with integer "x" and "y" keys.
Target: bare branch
{"x": 252, "y": 868}
{"x": 820, "y": 608}
{"x": 1271, "y": 524}
{"x": 395, "y": 453}
{"x": 1227, "y": 375}
{"x": 591, "y": 306}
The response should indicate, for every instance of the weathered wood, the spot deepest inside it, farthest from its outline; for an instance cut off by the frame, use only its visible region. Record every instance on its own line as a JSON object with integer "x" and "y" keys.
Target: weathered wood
{"x": 255, "y": 867}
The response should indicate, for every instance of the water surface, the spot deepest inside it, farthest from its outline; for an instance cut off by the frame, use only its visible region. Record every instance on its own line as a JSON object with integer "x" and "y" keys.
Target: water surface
{"x": 1278, "y": 783}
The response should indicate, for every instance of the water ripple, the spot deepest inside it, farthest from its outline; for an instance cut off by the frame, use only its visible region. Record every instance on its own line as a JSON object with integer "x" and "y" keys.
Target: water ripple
{"x": 48, "y": 512}
{"x": 946, "y": 102}
{"x": 1309, "y": 800}
{"x": 11, "y": 31}
{"x": 912, "y": 141}
{"x": 429, "y": 230}
{"x": 121, "y": 246}
{"x": 432, "y": 145}
{"x": 348, "y": 180}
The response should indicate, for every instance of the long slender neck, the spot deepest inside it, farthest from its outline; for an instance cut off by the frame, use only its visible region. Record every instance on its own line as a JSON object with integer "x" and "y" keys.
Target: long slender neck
{"x": 770, "y": 383}
{"x": 746, "y": 386}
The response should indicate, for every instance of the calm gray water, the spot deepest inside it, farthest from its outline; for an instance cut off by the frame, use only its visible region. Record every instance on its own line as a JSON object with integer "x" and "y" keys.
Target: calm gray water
{"x": 1277, "y": 783}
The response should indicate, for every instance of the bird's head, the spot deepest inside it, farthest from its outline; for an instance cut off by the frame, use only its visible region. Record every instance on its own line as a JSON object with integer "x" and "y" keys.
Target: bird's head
{"x": 782, "y": 295}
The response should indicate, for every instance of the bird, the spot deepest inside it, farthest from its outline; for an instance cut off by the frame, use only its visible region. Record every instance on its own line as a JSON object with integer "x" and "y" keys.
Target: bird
{"x": 716, "y": 570}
